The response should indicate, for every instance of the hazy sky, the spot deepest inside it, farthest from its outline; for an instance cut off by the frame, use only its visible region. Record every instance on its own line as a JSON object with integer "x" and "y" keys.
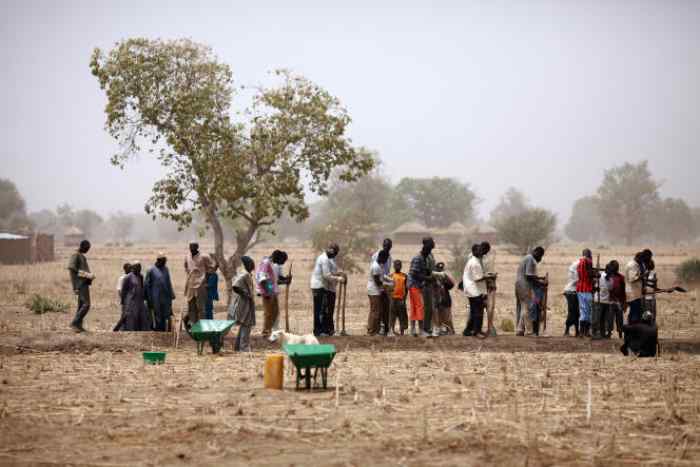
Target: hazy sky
{"x": 542, "y": 95}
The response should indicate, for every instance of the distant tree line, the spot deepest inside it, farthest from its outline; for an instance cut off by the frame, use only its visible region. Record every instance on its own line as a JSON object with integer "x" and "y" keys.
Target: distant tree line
{"x": 628, "y": 208}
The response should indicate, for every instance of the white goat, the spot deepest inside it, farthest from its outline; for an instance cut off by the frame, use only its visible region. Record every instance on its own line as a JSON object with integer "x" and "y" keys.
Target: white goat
{"x": 288, "y": 338}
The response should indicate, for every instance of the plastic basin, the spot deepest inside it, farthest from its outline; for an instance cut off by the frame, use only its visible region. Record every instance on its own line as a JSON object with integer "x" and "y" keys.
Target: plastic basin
{"x": 154, "y": 358}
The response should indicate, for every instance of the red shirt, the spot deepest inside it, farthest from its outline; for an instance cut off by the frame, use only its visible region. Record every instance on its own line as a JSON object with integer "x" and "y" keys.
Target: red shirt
{"x": 585, "y": 281}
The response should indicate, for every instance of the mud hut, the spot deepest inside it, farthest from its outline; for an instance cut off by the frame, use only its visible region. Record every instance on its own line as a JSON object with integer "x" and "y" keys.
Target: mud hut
{"x": 411, "y": 233}
{"x": 42, "y": 248}
{"x": 484, "y": 232}
{"x": 15, "y": 249}
{"x": 455, "y": 233}
{"x": 72, "y": 236}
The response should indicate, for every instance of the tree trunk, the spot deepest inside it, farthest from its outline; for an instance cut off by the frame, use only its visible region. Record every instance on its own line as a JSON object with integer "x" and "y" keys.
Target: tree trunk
{"x": 226, "y": 269}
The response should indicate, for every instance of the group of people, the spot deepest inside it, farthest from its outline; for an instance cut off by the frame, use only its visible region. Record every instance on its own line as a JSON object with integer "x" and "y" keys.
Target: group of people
{"x": 419, "y": 299}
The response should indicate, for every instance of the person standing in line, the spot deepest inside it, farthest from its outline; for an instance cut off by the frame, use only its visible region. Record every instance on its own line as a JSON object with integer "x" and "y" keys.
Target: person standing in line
{"x": 634, "y": 275}
{"x": 398, "y": 300}
{"x": 120, "y": 284}
{"x": 474, "y": 281}
{"x": 324, "y": 278}
{"x": 488, "y": 262}
{"x": 571, "y": 296}
{"x": 212, "y": 280}
{"x": 377, "y": 293}
{"x": 529, "y": 288}
{"x": 242, "y": 308}
{"x": 159, "y": 293}
{"x": 584, "y": 291}
{"x": 618, "y": 297}
{"x": 136, "y": 316}
{"x": 196, "y": 266}
{"x": 266, "y": 283}
{"x": 385, "y": 308}
{"x": 443, "y": 300}
{"x": 279, "y": 258}
{"x": 418, "y": 274}
{"x": 81, "y": 279}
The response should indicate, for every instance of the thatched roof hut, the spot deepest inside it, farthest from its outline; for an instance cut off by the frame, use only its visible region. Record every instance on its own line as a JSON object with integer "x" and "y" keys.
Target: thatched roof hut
{"x": 72, "y": 236}
{"x": 484, "y": 232}
{"x": 411, "y": 233}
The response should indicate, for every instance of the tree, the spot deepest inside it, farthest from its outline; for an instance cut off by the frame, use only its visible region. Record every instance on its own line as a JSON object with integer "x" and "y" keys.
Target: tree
{"x": 585, "y": 224}
{"x": 530, "y": 228}
{"x": 45, "y": 221}
{"x": 65, "y": 215}
{"x": 627, "y": 195}
{"x": 436, "y": 202}
{"x": 121, "y": 225}
{"x": 354, "y": 216}
{"x": 674, "y": 221}
{"x": 174, "y": 98}
{"x": 13, "y": 211}
{"x": 87, "y": 221}
{"x": 512, "y": 203}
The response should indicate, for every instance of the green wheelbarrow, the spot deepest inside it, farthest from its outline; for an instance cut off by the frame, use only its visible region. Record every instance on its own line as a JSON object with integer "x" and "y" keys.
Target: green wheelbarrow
{"x": 212, "y": 331}
{"x": 311, "y": 357}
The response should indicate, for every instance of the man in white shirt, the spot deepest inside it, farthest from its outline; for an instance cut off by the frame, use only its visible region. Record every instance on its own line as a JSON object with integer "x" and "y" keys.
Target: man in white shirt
{"x": 634, "y": 275}
{"x": 488, "y": 261}
{"x": 387, "y": 244}
{"x": 324, "y": 277}
{"x": 572, "y": 316}
{"x": 377, "y": 293}
{"x": 474, "y": 281}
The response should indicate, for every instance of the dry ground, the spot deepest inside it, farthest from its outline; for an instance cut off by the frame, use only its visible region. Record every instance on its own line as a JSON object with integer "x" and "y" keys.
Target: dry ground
{"x": 89, "y": 399}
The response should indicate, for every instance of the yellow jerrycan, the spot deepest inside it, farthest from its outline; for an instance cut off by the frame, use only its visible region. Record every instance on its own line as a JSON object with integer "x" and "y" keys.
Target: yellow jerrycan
{"x": 273, "y": 376}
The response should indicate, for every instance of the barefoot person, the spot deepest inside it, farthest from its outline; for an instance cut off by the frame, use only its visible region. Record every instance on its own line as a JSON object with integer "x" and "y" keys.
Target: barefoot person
{"x": 81, "y": 279}
{"x": 120, "y": 284}
{"x": 443, "y": 300}
{"x": 385, "y": 305}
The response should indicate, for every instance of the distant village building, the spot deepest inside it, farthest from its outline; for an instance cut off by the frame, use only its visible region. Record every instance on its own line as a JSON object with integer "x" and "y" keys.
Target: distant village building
{"x": 72, "y": 236}
{"x": 412, "y": 233}
{"x": 25, "y": 249}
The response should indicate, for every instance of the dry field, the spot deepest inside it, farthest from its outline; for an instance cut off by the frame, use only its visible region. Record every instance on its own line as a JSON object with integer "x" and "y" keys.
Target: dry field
{"x": 89, "y": 399}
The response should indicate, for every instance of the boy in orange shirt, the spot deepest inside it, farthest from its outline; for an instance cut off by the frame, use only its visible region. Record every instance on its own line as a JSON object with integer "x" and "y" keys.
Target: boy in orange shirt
{"x": 398, "y": 300}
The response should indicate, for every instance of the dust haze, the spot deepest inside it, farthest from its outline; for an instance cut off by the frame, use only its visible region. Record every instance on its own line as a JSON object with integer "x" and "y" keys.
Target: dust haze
{"x": 541, "y": 96}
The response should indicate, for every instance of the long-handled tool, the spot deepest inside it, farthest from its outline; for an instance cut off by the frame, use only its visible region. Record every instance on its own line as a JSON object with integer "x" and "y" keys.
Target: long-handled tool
{"x": 345, "y": 300}
{"x": 286, "y": 301}
{"x": 544, "y": 304}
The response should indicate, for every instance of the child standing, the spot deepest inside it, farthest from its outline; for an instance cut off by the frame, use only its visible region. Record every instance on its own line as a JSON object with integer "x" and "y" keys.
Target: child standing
{"x": 212, "y": 279}
{"x": 398, "y": 300}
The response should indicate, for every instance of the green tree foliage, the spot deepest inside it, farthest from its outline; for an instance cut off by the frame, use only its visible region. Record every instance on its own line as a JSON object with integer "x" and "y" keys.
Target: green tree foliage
{"x": 45, "y": 221}
{"x": 13, "y": 211}
{"x": 585, "y": 224}
{"x": 673, "y": 221}
{"x": 435, "y": 202}
{"x": 354, "y": 216}
{"x": 87, "y": 221}
{"x": 532, "y": 227}
{"x": 174, "y": 99}
{"x": 627, "y": 195}
{"x": 512, "y": 203}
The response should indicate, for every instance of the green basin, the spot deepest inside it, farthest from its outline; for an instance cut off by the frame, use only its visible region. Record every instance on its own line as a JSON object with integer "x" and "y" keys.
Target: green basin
{"x": 154, "y": 358}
